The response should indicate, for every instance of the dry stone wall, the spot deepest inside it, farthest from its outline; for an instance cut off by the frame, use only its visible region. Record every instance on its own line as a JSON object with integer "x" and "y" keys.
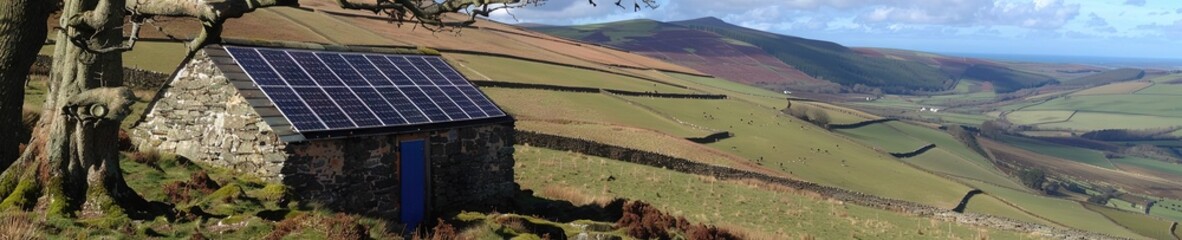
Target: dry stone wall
{"x": 202, "y": 117}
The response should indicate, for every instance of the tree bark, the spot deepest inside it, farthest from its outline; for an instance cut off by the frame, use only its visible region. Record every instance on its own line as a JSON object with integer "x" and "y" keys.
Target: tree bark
{"x": 22, "y": 31}
{"x": 70, "y": 160}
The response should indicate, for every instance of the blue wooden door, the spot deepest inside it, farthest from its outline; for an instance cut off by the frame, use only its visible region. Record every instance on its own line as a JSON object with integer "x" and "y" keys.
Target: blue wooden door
{"x": 414, "y": 183}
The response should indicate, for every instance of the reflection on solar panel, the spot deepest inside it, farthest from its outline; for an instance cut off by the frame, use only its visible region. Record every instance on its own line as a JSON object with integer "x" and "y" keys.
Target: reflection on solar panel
{"x": 324, "y": 91}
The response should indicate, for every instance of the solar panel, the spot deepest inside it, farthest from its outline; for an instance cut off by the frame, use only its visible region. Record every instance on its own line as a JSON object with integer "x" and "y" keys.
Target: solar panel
{"x": 325, "y": 91}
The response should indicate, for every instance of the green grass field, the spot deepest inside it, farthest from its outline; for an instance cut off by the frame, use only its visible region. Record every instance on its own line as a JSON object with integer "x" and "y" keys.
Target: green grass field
{"x": 949, "y": 157}
{"x": 1168, "y": 209}
{"x": 942, "y": 161}
{"x": 1039, "y": 117}
{"x": 733, "y": 90}
{"x": 960, "y": 97}
{"x": 1153, "y": 105}
{"x": 986, "y": 204}
{"x": 1140, "y": 223}
{"x": 730, "y": 86}
{"x": 1098, "y": 121}
{"x": 585, "y": 107}
{"x": 1124, "y": 205}
{"x": 762, "y": 211}
{"x": 1064, "y": 212}
{"x": 1162, "y": 89}
{"x": 820, "y": 157}
{"x": 1150, "y": 164}
{"x": 1088, "y": 156}
{"x": 885, "y": 137}
{"x": 635, "y": 138}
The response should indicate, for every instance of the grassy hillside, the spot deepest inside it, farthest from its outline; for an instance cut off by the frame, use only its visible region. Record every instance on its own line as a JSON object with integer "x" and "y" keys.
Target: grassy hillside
{"x": 761, "y": 210}
{"x": 1110, "y": 76}
{"x": 831, "y": 61}
{"x": 704, "y": 51}
{"x": 1063, "y": 212}
{"x": 1140, "y": 223}
{"x": 722, "y": 47}
{"x": 1005, "y": 79}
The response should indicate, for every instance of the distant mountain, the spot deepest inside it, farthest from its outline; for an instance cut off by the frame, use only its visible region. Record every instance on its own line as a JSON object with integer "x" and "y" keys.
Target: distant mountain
{"x": 704, "y": 51}
{"x": 1003, "y": 77}
{"x": 766, "y": 59}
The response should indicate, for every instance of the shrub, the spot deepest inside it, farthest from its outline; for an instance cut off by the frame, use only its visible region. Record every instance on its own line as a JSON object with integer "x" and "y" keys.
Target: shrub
{"x": 19, "y": 225}
{"x": 272, "y": 192}
{"x": 703, "y": 232}
{"x": 177, "y": 192}
{"x": 444, "y": 231}
{"x": 125, "y": 141}
{"x": 819, "y": 117}
{"x": 1033, "y": 178}
{"x": 342, "y": 226}
{"x": 200, "y": 181}
{"x": 149, "y": 157}
{"x": 646, "y": 222}
{"x": 287, "y": 226}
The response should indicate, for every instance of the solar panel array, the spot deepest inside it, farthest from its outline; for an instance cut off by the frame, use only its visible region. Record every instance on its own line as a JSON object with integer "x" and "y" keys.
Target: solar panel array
{"x": 324, "y": 91}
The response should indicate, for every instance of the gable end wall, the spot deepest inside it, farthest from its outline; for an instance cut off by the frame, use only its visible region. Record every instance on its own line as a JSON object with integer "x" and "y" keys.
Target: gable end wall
{"x": 202, "y": 117}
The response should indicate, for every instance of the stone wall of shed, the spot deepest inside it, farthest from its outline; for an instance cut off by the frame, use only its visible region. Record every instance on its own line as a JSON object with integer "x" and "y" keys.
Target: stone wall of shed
{"x": 200, "y": 116}
{"x": 471, "y": 168}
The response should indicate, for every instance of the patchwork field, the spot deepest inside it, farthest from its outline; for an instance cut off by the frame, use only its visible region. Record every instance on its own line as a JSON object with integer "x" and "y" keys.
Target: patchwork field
{"x": 949, "y": 157}
{"x": 987, "y": 204}
{"x": 1140, "y": 223}
{"x": 1062, "y": 212}
{"x": 513, "y": 70}
{"x": 763, "y": 135}
{"x": 1152, "y": 167}
{"x": 764, "y": 211}
{"x": 1040, "y": 117}
{"x": 885, "y": 137}
{"x": 641, "y": 139}
{"x": 1115, "y": 88}
{"x": 1086, "y": 156}
{"x": 1135, "y": 183}
{"x": 1088, "y": 121}
{"x": 1168, "y": 209}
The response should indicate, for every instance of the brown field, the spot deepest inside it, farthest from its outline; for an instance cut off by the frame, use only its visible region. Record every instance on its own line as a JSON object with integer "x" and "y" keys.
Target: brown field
{"x": 497, "y": 38}
{"x": 321, "y": 21}
{"x": 1115, "y": 88}
{"x": 1131, "y": 182}
{"x": 334, "y": 29}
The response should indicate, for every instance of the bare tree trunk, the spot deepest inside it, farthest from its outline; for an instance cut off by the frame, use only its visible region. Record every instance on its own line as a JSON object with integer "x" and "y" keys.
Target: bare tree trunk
{"x": 22, "y": 31}
{"x": 70, "y": 160}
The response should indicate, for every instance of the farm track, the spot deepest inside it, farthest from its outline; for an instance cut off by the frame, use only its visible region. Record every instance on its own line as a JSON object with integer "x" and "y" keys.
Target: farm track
{"x": 686, "y": 166}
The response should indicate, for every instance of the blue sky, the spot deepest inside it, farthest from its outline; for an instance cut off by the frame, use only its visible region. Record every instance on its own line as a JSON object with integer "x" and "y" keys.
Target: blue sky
{"x": 1110, "y": 28}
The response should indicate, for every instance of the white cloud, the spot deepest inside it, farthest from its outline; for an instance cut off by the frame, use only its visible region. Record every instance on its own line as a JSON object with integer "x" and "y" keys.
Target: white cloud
{"x": 1172, "y": 30}
{"x": 1138, "y": 3}
{"x": 1039, "y": 14}
{"x": 1096, "y": 21}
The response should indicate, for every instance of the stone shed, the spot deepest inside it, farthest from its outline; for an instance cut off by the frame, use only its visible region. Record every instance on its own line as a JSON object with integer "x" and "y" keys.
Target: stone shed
{"x": 383, "y": 132}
